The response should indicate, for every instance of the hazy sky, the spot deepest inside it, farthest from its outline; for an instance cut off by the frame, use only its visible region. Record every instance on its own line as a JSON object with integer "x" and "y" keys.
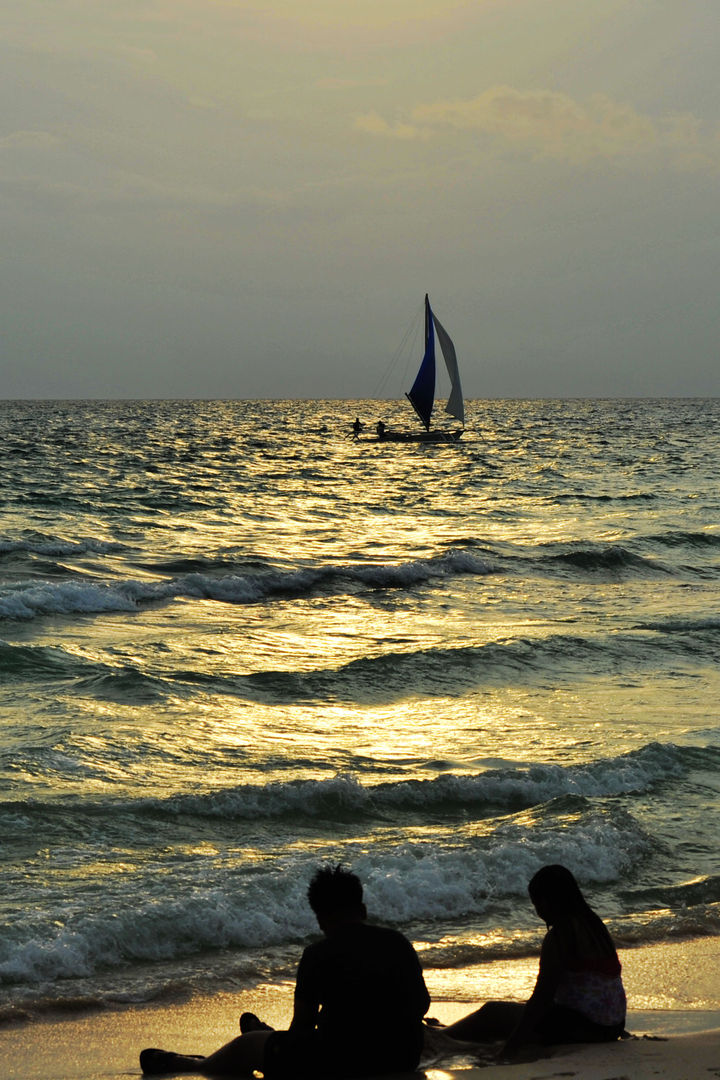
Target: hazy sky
{"x": 249, "y": 198}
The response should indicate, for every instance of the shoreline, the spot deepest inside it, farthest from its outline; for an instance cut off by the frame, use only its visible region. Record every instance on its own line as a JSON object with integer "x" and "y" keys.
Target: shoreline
{"x": 674, "y": 1014}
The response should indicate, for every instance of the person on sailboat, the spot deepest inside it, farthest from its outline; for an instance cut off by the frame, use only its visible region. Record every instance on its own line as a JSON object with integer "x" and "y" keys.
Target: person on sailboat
{"x": 357, "y": 427}
{"x": 380, "y": 428}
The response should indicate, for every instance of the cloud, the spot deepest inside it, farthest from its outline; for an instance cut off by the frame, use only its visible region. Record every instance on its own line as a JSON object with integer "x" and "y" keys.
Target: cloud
{"x": 554, "y": 125}
{"x": 374, "y": 124}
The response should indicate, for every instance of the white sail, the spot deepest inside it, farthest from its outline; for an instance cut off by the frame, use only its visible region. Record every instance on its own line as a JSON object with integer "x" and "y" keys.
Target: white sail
{"x": 455, "y": 406}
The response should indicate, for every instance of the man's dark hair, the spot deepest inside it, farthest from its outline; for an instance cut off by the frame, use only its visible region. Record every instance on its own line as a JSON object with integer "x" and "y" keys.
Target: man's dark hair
{"x": 334, "y": 889}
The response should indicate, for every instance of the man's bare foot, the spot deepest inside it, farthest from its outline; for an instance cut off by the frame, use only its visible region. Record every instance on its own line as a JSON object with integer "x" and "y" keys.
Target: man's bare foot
{"x": 250, "y": 1022}
{"x": 163, "y": 1062}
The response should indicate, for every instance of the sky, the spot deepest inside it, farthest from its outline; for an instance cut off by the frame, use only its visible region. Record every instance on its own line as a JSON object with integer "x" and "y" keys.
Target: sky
{"x": 250, "y": 198}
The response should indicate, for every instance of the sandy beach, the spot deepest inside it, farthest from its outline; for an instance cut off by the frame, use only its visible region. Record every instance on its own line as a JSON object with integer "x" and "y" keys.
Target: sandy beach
{"x": 674, "y": 1014}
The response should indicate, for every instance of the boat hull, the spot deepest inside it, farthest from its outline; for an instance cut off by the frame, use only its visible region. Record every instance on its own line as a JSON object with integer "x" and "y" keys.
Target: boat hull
{"x": 419, "y": 436}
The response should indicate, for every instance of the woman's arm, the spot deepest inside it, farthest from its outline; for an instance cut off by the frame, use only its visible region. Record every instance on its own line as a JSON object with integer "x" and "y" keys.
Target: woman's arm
{"x": 549, "y": 976}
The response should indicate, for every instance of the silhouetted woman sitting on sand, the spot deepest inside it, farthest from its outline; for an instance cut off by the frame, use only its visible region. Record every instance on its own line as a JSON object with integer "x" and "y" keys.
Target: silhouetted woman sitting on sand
{"x": 579, "y": 995}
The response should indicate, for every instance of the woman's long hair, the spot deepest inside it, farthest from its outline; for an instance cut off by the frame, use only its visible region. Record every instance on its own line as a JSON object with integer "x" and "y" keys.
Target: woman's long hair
{"x": 559, "y": 901}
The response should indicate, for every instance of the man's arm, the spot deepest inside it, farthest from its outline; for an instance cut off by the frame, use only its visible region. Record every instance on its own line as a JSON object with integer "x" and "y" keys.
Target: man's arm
{"x": 306, "y": 1006}
{"x": 305, "y": 1014}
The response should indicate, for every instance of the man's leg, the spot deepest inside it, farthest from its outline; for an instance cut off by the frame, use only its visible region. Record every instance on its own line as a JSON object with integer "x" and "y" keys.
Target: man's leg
{"x": 239, "y": 1057}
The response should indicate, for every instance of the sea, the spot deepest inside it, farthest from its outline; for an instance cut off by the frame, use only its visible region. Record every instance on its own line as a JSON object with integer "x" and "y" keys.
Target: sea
{"x": 236, "y": 644}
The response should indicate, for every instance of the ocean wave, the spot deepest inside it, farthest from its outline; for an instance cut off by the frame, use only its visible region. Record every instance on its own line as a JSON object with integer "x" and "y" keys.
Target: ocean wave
{"x": 586, "y": 496}
{"x": 679, "y": 538}
{"x": 44, "y": 661}
{"x": 585, "y": 559}
{"x": 685, "y": 894}
{"x": 449, "y": 876}
{"x": 331, "y": 579}
{"x": 494, "y": 789}
{"x": 124, "y": 683}
{"x": 127, "y": 686}
{"x": 382, "y": 678}
{"x": 345, "y": 798}
{"x": 37, "y": 599}
{"x": 204, "y": 565}
{"x": 672, "y": 625}
{"x": 433, "y": 671}
{"x": 28, "y": 600}
{"x": 612, "y": 558}
{"x": 180, "y": 907}
{"x": 637, "y": 557}
{"x": 59, "y": 546}
{"x": 234, "y": 579}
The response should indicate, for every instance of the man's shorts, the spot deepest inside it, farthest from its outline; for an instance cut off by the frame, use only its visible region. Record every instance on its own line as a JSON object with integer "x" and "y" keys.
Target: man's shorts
{"x": 293, "y": 1055}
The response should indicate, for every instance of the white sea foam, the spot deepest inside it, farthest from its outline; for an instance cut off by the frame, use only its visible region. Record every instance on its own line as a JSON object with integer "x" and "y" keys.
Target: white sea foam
{"x": 634, "y": 772}
{"x": 27, "y": 600}
{"x": 428, "y": 881}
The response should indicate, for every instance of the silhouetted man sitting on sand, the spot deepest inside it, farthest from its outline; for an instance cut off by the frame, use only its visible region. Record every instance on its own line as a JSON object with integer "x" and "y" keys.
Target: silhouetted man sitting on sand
{"x": 356, "y": 972}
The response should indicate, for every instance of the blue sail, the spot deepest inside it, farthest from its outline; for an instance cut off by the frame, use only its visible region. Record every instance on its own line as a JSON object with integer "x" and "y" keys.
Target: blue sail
{"x": 422, "y": 393}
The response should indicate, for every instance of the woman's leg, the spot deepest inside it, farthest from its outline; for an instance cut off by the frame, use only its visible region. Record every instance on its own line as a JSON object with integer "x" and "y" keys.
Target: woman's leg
{"x": 495, "y": 1020}
{"x": 562, "y": 1024}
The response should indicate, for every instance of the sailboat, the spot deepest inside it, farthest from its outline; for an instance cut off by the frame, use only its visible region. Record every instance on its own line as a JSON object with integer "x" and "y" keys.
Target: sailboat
{"x": 421, "y": 395}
